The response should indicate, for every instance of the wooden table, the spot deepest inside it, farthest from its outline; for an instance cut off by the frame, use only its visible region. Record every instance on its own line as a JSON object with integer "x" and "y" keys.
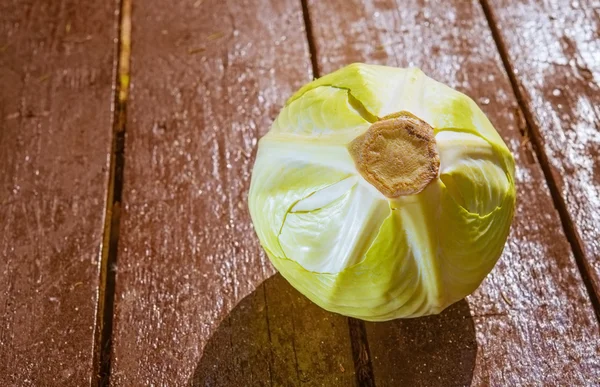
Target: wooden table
{"x": 127, "y": 138}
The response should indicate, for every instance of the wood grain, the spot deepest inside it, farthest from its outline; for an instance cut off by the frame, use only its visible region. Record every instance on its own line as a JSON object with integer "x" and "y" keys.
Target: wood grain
{"x": 552, "y": 49}
{"x": 207, "y": 79}
{"x": 276, "y": 337}
{"x": 56, "y": 77}
{"x": 320, "y": 340}
{"x": 533, "y": 320}
{"x": 436, "y": 350}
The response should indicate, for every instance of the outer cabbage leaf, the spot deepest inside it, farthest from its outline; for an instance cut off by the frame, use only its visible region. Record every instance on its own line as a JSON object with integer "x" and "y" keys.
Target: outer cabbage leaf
{"x": 285, "y": 174}
{"x": 323, "y": 114}
{"x": 335, "y": 236}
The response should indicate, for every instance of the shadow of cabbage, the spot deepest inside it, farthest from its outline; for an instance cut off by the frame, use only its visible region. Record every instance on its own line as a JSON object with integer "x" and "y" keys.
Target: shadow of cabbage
{"x": 277, "y": 337}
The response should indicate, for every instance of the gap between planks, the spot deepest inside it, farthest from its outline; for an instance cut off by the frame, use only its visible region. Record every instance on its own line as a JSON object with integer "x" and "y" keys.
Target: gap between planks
{"x": 361, "y": 355}
{"x": 104, "y": 325}
{"x": 534, "y": 135}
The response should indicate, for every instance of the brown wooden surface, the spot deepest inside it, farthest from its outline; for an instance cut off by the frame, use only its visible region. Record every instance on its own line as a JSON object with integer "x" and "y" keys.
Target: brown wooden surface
{"x": 436, "y": 350}
{"x": 553, "y": 48}
{"x": 196, "y": 301}
{"x": 56, "y": 78}
{"x": 533, "y": 320}
{"x": 208, "y": 77}
{"x": 276, "y": 336}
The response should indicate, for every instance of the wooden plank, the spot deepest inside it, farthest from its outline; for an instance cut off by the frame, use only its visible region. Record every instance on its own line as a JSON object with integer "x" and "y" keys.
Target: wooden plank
{"x": 552, "y": 50}
{"x": 532, "y": 316}
{"x": 436, "y": 350}
{"x": 56, "y": 75}
{"x": 276, "y": 336}
{"x": 208, "y": 77}
{"x": 320, "y": 340}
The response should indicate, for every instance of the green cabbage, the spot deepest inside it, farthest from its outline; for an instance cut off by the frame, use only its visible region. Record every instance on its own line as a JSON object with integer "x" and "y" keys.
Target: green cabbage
{"x": 350, "y": 246}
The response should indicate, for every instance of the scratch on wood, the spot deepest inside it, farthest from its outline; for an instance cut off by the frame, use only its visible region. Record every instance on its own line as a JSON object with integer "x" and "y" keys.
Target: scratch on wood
{"x": 198, "y": 50}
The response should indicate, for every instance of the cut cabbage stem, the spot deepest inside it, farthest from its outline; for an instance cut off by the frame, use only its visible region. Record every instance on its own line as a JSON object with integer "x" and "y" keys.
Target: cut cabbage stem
{"x": 397, "y": 155}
